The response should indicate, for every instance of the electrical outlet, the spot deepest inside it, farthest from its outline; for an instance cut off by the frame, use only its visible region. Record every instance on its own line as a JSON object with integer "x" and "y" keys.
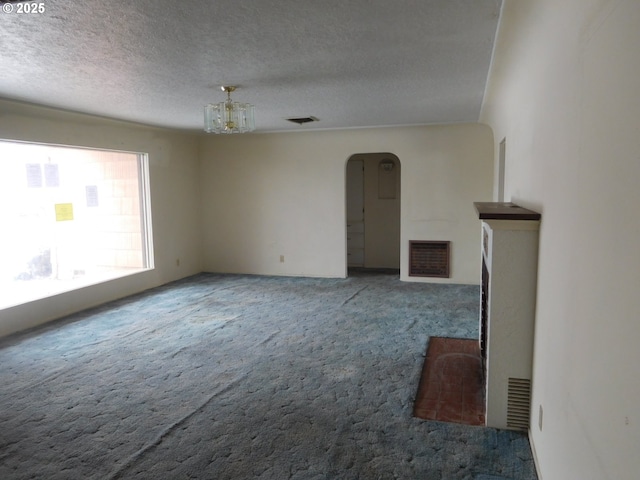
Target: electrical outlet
{"x": 281, "y": 258}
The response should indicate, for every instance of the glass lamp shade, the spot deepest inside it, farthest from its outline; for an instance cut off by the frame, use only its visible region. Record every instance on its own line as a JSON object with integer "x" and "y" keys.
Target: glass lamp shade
{"x": 229, "y": 117}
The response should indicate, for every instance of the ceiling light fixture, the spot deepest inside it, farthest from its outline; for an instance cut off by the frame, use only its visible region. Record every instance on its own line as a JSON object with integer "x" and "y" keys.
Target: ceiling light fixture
{"x": 229, "y": 116}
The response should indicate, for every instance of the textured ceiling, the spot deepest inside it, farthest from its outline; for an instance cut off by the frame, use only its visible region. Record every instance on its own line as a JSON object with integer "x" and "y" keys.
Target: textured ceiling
{"x": 352, "y": 63}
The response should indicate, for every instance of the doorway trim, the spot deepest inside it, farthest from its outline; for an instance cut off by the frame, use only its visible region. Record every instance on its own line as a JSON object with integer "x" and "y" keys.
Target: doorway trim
{"x": 502, "y": 155}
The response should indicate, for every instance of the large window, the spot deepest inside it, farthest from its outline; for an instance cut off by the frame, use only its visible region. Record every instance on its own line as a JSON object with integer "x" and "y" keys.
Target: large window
{"x": 71, "y": 217}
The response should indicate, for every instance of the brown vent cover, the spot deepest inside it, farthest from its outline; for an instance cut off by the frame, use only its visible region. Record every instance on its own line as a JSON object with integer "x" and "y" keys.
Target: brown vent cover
{"x": 428, "y": 259}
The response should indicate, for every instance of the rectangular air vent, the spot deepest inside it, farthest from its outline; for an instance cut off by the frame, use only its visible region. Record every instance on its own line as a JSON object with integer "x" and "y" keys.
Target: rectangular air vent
{"x": 518, "y": 403}
{"x": 303, "y": 120}
{"x": 429, "y": 258}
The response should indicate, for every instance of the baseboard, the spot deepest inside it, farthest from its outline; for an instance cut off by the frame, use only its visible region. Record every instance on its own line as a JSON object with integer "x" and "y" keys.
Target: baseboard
{"x": 535, "y": 455}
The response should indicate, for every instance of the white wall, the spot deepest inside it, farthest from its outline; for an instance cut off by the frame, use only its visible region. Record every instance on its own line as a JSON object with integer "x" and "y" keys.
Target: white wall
{"x": 564, "y": 92}
{"x": 173, "y": 165}
{"x": 284, "y": 194}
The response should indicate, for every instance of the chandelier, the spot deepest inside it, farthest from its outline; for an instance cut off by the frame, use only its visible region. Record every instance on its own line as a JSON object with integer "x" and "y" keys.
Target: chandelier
{"x": 229, "y": 116}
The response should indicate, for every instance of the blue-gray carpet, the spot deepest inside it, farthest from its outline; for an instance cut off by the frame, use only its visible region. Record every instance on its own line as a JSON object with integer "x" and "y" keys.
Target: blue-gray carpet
{"x": 245, "y": 377}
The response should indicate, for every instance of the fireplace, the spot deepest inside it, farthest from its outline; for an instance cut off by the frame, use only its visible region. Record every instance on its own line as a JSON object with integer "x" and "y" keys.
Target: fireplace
{"x": 507, "y": 311}
{"x": 484, "y": 316}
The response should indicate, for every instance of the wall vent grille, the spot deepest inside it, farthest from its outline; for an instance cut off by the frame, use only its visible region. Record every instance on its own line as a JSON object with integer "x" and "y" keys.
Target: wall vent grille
{"x": 429, "y": 258}
{"x": 518, "y": 403}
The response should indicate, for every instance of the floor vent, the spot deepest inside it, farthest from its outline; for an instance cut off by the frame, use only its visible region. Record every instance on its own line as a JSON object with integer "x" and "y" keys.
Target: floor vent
{"x": 428, "y": 258}
{"x": 518, "y": 403}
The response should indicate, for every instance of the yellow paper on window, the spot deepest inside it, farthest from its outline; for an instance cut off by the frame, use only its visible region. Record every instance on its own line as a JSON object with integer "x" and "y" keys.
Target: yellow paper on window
{"x": 64, "y": 212}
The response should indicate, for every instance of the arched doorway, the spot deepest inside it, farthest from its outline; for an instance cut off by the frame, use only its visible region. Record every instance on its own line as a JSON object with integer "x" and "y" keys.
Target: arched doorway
{"x": 373, "y": 211}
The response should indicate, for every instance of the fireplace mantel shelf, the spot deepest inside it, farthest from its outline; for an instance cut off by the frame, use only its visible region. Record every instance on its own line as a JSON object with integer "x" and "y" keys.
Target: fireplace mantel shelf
{"x": 504, "y": 211}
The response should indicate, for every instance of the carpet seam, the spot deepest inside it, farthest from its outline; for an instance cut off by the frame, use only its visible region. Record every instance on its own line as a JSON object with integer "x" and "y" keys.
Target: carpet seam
{"x": 170, "y": 428}
{"x": 353, "y": 296}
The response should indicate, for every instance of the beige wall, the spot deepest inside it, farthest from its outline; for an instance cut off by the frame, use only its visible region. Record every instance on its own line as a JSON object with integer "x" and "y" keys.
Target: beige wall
{"x": 563, "y": 91}
{"x": 237, "y": 203}
{"x": 272, "y": 195}
{"x": 175, "y": 202}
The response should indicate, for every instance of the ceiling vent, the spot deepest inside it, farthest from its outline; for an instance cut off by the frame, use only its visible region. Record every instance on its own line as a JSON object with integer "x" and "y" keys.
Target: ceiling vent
{"x": 302, "y": 120}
